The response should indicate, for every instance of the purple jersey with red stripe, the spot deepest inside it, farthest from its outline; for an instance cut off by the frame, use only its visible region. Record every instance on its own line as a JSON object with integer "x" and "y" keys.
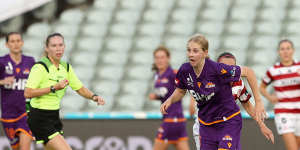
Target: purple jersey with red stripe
{"x": 164, "y": 87}
{"x": 212, "y": 90}
{"x": 12, "y": 96}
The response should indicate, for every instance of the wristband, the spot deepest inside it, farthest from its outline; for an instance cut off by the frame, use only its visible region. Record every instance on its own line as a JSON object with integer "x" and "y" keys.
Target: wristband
{"x": 94, "y": 96}
{"x": 52, "y": 89}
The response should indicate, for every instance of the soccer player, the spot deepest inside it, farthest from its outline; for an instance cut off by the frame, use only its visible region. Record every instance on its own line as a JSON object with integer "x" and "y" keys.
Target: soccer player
{"x": 285, "y": 77}
{"x": 46, "y": 85}
{"x": 173, "y": 128}
{"x": 209, "y": 84}
{"x": 14, "y": 70}
{"x": 241, "y": 94}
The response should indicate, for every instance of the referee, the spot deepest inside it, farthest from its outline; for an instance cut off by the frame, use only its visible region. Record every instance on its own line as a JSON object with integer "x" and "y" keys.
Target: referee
{"x": 46, "y": 86}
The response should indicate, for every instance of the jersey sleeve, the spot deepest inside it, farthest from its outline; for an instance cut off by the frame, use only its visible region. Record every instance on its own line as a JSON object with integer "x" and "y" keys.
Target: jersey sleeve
{"x": 228, "y": 73}
{"x": 36, "y": 75}
{"x": 244, "y": 95}
{"x": 267, "y": 79}
{"x": 74, "y": 82}
{"x": 179, "y": 79}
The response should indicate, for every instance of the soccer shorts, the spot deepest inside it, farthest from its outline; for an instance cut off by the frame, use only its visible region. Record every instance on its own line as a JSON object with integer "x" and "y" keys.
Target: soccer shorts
{"x": 287, "y": 123}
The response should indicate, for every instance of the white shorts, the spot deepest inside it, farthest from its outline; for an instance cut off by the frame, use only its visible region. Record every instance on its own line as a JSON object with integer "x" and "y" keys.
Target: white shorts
{"x": 196, "y": 134}
{"x": 287, "y": 123}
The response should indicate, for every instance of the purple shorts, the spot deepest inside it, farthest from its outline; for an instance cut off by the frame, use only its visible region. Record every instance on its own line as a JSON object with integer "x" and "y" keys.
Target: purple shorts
{"x": 13, "y": 127}
{"x": 224, "y": 135}
{"x": 172, "y": 132}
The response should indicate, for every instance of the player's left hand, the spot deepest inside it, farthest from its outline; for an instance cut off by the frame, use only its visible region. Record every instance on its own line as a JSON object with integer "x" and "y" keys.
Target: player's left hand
{"x": 99, "y": 100}
{"x": 267, "y": 132}
{"x": 260, "y": 113}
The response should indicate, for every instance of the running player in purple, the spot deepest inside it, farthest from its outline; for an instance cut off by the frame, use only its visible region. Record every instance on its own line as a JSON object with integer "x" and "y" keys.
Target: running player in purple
{"x": 14, "y": 71}
{"x": 173, "y": 128}
{"x": 209, "y": 83}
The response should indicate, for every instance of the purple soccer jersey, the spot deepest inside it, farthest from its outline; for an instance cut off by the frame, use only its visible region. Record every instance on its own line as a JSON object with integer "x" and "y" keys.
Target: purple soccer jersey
{"x": 212, "y": 90}
{"x": 164, "y": 87}
{"x": 12, "y": 96}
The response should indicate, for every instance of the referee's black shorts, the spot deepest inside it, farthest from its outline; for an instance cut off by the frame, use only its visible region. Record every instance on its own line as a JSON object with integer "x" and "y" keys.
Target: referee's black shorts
{"x": 44, "y": 124}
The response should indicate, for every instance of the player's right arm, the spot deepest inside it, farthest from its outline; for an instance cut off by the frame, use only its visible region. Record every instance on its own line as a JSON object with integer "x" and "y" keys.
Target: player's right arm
{"x": 177, "y": 95}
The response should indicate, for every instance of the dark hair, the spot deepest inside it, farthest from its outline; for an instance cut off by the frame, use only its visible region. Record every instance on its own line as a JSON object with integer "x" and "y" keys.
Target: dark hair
{"x": 201, "y": 40}
{"x": 51, "y": 36}
{"x": 226, "y": 55}
{"x": 11, "y": 33}
{"x": 285, "y": 40}
{"x": 160, "y": 48}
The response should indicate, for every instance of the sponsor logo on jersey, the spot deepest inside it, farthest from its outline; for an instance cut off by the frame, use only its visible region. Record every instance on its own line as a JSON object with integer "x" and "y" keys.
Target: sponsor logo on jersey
{"x": 164, "y": 80}
{"x": 210, "y": 85}
{"x": 9, "y": 68}
{"x": 227, "y": 138}
{"x": 26, "y": 71}
{"x": 18, "y": 70}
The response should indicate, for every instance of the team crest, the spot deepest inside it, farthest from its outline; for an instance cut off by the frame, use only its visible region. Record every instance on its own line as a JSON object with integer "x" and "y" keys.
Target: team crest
{"x": 177, "y": 81}
{"x": 18, "y": 70}
{"x": 229, "y": 144}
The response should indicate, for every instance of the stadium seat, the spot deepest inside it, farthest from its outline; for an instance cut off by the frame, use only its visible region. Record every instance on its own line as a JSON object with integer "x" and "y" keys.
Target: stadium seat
{"x": 161, "y": 5}
{"x": 106, "y": 87}
{"x": 73, "y": 103}
{"x": 184, "y": 15}
{"x": 110, "y": 72}
{"x": 292, "y": 28}
{"x": 122, "y": 30}
{"x": 273, "y": 15}
{"x": 114, "y": 57}
{"x": 210, "y": 28}
{"x": 88, "y": 44}
{"x": 34, "y": 45}
{"x": 139, "y": 87}
{"x": 217, "y": 4}
{"x": 46, "y": 12}
{"x": 119, "y": 44}
{"x": 69, "y": 31}
{"x": 176, "y": 43}
{"x": 94, "y": 30}
{"x": 140, "y": 72}
{"x": 269, "y": 61}
{"x": 12, "y": 25}
{"x": 39, "y": 30}
{"x": 147, "y": 43}
{"x": 76, "y": 2}
{"x": 265, "y": 42}
{"x": 192, "y": 4}
{"x": 213, "y": 14}
{"x": 248, "y": 3}
{"x": 81, "y": 57}
{"x": 72, "y": 17}
{"x": 178, "y": 58}
{"x": 3, "y": 48}
{"x": 279, "y": 4}
{"x": 268, "y": 28}
{"x": 133, "y": 4}
{"x": 128, "y": 16}
{"x": 155, "y": 16}
{"x": 151, "y": 29}
{"x": 181, "y": 28}
{"x": 84, "y": 73}
{"x": 100, "y": 17}
{"x": 243, "y": 28}
{"x": 105, "y": 4}
{"x": 142, "y": 57}
{"x": 130, "y": 103}
{"x": 243, "y": 14}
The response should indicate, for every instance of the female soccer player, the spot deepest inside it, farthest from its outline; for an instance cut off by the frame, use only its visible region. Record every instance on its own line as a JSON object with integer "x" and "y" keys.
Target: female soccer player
{"x": 14, "y": 70}
{"x": 209, "y": 84}
{"x": 285, "y": 76}
{"x": 173, "y": 128}
{"x": 46, "y": 86}
{"x": 241, "y": 94}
